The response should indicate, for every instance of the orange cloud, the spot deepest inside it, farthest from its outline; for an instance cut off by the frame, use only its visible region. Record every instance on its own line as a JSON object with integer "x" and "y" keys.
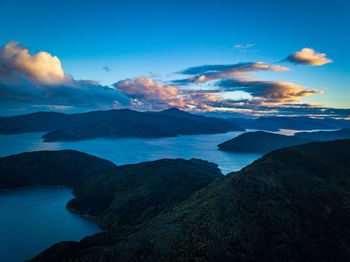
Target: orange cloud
{"x": 206, "y": 73}
{"x": 41, "y": 68}
{"x": 146, "y": 87}
{"x": 308, "y": 56}
{"x": 275, "y": 91}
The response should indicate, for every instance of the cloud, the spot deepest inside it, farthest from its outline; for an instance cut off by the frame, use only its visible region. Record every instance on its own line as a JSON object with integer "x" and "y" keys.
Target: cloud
{"x": 153, "y": 75}
{"x": 39, "y": 79}
{"x": 308, "y": 56}
{"x": 40, "y": 68}
{"x": 146, "y": 93}
{"x": 258, "y": 107}
{"x": 240, "y": 67}
{"x": 106, "y": 68}
{"x": 206, "y": 73}
{"x": 272, "y": 91}
{"x": 233, "y": 78}
{"x": 243, "y": 46}
{"x": 151, "y": 95}
{"x": 146, "y": 88}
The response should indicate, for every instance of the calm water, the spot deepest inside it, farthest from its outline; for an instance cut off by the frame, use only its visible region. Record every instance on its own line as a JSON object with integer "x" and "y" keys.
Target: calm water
{"x": 33, "y": 219}
{"x": 134, "y": 150}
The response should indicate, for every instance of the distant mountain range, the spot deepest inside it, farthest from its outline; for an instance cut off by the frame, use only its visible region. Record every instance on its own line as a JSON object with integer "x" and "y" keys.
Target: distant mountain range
{"x": 264, "y": 142}
{"x": 295, "y": 123}
{"x": 290, "y": 205}
{"x": 114, "y": 123}
{"x": 325, "y": 135}
{"x": 129, "y": 123}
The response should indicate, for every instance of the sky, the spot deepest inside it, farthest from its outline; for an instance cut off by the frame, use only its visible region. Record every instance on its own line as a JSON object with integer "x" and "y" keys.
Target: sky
{"x": 230, "y": 58}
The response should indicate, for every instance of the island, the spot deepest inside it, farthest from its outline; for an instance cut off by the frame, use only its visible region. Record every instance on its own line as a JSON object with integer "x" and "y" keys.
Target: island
{"x": 264, "y": 142}
{"x": 260, "y": 142}
{"x": 114, "y": 123}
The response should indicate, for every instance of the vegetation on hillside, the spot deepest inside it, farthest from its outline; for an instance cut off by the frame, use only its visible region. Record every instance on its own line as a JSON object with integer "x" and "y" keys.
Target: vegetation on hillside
{"x": 290, "y": 205}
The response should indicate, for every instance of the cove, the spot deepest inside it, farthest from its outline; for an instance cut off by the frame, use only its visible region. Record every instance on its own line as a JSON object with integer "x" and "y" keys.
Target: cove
{"x": 34, "y": 218}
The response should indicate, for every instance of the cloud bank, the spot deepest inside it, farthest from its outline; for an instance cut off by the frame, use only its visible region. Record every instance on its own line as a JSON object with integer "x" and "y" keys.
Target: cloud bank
{"x": 201, "y": 74}
{"x": 308, "y": 56}
{"x": 39, "y": 79}
{"x": 270, "y": 91}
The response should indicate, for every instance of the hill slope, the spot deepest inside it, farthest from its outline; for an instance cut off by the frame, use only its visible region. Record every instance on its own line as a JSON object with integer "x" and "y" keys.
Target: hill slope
{"x": 290, "y": 205}
{"x": 129, "y": 195}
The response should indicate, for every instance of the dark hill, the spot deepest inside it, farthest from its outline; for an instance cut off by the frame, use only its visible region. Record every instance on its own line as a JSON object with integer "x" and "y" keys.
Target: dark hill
{"x": 108, "y": 128}
{"x": 130, "y": 195}
{"x": 137, "y": 124}
{"x": 290, "y": 205}
{"x": 65, "y": 167}
{"x": 260, "y": 142}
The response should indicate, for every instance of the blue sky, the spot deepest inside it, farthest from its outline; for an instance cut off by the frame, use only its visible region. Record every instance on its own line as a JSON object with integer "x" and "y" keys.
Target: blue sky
{"x": 156, "y": 39}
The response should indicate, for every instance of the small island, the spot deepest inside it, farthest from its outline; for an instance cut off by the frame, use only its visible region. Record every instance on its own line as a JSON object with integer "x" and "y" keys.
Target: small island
{"x": 264, "y": 142}
{"x": 260, "y": 142}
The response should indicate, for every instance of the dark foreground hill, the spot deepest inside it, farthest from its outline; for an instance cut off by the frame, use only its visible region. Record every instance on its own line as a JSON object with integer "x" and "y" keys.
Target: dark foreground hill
{"x": 130, "y": 195}
{"x": 114, "y": 123}
{"x": 290, "y": 205}
{"x": 260, "y": 142}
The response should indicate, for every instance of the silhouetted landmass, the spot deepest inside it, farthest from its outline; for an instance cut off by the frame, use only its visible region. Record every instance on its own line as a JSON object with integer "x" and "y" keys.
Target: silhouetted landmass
{"x": 114, "y": 123}
{"x": 108, "y": 128}
{"x": 116, "y": 196}
{"x": 325, "y": 135}
{"x": 290, "y": 205}
{"x": 264, "y": 142}
{"x": 260, "y": 142}
{"x": 65, "y": 167}
{"x": 166, "y": 123}
{"x": 296, "y": 123}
